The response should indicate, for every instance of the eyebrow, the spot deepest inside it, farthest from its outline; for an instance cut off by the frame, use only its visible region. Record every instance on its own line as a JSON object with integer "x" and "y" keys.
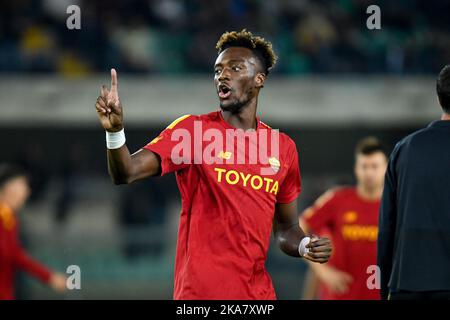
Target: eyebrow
{"x": 231, "y": 61}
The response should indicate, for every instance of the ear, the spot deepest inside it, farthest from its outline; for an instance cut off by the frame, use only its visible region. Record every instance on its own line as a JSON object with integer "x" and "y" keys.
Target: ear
{"x": 259, "y": 79}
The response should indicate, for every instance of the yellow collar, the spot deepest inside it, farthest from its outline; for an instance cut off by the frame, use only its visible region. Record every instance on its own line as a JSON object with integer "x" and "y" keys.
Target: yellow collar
{"x": 7, "y": 218}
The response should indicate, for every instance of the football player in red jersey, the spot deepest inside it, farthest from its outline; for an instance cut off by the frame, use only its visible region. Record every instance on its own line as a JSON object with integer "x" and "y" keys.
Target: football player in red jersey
{"x": 14, "y": 191}
{"x": 349, "y": 216}
{"x": 231, "y": 201}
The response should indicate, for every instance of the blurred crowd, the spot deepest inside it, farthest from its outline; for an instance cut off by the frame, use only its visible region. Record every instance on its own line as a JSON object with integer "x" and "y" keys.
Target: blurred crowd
{"x": 178, "y": 36}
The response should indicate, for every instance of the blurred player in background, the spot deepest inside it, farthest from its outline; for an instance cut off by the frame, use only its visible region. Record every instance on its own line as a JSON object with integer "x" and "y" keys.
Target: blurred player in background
{"x": 349, "y": 215}
{"x": 14, "y": 191}
{"x": 228, "y": 210}
{"x": 414, "y": 238}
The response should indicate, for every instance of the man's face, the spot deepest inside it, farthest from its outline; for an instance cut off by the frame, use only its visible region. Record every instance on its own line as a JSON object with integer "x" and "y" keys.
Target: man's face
{"x": 16, "y": 191}
{"x": 370, "y": 170}
{"x": 237, "y": 78}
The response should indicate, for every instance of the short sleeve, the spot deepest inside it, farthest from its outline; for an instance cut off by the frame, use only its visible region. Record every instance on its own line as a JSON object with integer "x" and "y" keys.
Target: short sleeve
{"x": 291, "y": 185}
{"x": 175, "y": 145}
{"x": 321, "y": 214}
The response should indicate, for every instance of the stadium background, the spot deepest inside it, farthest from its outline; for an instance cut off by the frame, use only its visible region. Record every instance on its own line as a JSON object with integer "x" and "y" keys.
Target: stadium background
{"x": 336, "y": 82}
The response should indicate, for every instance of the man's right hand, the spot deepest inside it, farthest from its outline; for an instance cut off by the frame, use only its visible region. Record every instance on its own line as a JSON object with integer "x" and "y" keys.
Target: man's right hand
{"x": 336, "y": 281}
{"x": 108, "y": 106}
{"x": 58, "y": 282}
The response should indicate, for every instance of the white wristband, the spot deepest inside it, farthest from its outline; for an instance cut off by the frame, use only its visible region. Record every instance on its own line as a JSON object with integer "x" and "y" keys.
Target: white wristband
{"x": 114, "y": 140}
{"x": 302, "y": 249}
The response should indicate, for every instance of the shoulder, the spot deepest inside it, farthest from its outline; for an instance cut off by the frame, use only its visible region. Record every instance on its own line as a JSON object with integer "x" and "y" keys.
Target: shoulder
{"x": 287, "y": 144}
{"x": 328, "y": 199}
{"x": 338, "y": 192}
{"x": 335, "y": 195}
{"x": 411, "y": 139}
{"x": 344, "y": 192}
{"x": 283, "y": 136}
{"x": 288, "y": 141}
{"x": 287, "y": 147}
{"x": 181, "y": 121}
{"x": 190, "y": 119}
{"x": 264, "y": 125}
{"x": 187, "y": 121}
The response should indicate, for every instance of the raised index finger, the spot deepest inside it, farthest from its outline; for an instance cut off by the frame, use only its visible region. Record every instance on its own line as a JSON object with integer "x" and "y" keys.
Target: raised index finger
{"x": 113, "y": 81}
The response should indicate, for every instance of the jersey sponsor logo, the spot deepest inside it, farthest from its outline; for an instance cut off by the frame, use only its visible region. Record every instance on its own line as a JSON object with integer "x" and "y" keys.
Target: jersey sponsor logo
{"x": 247, "y": 180}
{"x": 350, "y": 216}
{"x": 357, "y": 232}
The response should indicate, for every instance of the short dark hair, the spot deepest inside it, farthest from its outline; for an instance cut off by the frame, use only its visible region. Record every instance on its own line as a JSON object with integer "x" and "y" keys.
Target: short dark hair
{"x": 370, "y": 145}
{"x": 9, "y": 172}
{"x": 260, "y": 47}
{"x": 443, "y": 88}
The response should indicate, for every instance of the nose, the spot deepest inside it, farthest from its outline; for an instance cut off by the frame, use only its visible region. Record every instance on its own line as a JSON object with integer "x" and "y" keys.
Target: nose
{"x": 224, "y": 75}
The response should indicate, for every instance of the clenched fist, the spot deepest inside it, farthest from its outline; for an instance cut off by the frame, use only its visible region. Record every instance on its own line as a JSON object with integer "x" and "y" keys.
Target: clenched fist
{"x": 320, "y": 250}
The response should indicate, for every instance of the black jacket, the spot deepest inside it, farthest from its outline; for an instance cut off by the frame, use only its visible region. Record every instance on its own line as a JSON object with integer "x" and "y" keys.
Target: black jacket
{"x": 414, "y": 225}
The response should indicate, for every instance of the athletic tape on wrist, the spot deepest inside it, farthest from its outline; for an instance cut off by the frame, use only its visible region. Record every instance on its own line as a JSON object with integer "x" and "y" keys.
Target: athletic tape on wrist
{"x": 302, "y": 249}
{"x": 114, "y": 140}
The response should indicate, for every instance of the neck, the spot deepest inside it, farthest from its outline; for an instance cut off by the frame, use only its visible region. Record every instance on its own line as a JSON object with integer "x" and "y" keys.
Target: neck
{"x": 369, "y": 194}
{"x": 246, "y": 117}
{"x": 445, "y": 116}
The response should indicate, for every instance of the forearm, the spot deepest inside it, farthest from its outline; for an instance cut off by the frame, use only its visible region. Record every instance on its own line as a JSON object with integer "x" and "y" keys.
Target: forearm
{"x": 289, "y": 235}
{"x": 24, "y": 262}
{"x": 310, "y": 286}
{"x": 122, "y": 166}
{"x": 317, "y": 268}
{"x": 289, "y": 239}
{"x": 119, "y": 165}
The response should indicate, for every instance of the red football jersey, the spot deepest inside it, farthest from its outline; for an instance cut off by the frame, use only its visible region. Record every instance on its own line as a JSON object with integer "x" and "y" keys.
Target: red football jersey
{"x": 13, "y": 257}
{"x": 352, "y": 223}
{"x": 227, "y": 209}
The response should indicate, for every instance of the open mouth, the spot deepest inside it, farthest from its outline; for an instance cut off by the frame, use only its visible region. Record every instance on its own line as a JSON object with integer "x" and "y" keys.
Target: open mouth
{"x": 224, "y": 91}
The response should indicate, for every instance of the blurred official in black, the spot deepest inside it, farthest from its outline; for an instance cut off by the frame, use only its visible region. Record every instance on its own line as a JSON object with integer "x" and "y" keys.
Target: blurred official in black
{"x": 414, "y": 225}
